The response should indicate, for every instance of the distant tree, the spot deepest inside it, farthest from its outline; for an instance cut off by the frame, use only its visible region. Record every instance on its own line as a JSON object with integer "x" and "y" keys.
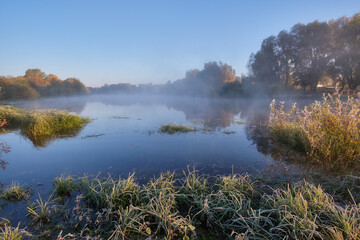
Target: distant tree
{"x": 36, "y": 76}
{"x": 264, "y": 65}
{"x": 232, "y": 89}
{"x": 312, "y": 53}
{"x": 36, "y": 83}
{"x": 285, "y": 55}
{"x": 17, "y": 88}
{"x": 204, "y": 82}
{"x": 347, "y": 50}
{"x": 73, "y": 86}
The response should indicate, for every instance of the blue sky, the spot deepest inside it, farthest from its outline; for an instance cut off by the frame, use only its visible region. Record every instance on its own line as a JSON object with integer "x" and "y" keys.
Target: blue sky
{"x": 145, "y": 41}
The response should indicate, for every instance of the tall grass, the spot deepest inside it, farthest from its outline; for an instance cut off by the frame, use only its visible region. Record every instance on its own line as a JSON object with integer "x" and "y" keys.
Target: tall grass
{"x": 43, "y": 125}
{"x": 327, "y": 131}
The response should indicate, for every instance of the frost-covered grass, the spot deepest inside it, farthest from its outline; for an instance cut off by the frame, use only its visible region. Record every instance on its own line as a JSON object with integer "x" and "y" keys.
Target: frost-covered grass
{"x": 192, "y": 206}
{"x": 327, "y": 131}
{"x": 41, "y": 126}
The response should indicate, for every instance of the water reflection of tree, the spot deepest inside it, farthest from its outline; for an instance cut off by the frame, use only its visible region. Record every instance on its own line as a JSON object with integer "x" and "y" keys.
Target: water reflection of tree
{"x": 70, "y": 104}
{"x": 214, "y": 113}
{"x": 4, "y": 148}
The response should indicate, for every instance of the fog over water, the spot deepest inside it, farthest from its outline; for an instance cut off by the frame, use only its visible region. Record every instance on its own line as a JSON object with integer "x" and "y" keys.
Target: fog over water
{"x": 124, "y": 136}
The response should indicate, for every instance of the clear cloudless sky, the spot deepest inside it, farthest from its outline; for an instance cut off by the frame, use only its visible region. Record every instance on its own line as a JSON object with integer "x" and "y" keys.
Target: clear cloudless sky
{"x": 145, "y": 41}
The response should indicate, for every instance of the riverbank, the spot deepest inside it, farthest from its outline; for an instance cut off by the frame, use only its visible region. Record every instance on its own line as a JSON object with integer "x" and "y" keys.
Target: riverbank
{"x": 187, "y": 206}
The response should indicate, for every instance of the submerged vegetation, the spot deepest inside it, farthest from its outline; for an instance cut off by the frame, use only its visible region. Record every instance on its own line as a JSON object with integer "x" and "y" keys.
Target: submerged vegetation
{"x": 176, "y": 128}
{"x": 327, "y": 131}
{"x": 43, "y": 125}
{"x": 194, "y": 207}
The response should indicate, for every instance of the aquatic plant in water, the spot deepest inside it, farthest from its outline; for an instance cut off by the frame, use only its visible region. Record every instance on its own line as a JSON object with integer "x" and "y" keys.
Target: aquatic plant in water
{"x": 15, "y": 192}
{"x": 41, "y": 211}
{"x": 176, "y": 128}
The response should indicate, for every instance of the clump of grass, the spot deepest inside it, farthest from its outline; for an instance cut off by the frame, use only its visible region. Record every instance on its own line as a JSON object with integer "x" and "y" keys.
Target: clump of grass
{"x": 194, "y": 184}
{"x": 305, "y": 211}
{"x": 110, "y": 193}
{"x": 328, "y": 132}
{"x": 43, "y": 125}
{"x": 159, "y": 198}
{"x": 241, "y": 184}
{"x": 122, "y": 193}
{"x": 64, "y": 186}
{"x": 175, "y": 128}
{"x": 16, "y": 192}
{"x": 130, "y": 222}
{"x": 12, "y": 233}
{"x": 41, "y": 211}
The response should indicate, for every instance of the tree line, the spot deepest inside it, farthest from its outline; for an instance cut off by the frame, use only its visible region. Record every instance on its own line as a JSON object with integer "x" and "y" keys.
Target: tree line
{"x": 36, "y": 83}
{"x": 318, "y": 52}
{"x": 325, "y": 53}
{"x": 307, "y": 56}
{"x": 215, "y": 79}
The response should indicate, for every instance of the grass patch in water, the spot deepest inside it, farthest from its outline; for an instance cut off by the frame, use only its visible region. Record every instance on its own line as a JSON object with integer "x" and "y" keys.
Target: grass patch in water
{"x": 41, "y": 126}
{"x": 327, "y": 131}
{"x": 41, "y": 211}
{"x": 64, "y": 186}
{"x": 119, "y": 117}
{"x": 228, "y": 132}
{"x": 15, "y": 192}
{"x": 92, "y": 136}
{"x": 176, "y": 128}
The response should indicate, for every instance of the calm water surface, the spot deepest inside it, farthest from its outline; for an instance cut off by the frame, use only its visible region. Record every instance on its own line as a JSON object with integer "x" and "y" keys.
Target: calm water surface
{"x": 123, "y": 137}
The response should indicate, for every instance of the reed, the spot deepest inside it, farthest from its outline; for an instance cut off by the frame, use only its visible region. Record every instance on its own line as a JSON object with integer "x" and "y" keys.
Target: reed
{"x": 327, "y": 131}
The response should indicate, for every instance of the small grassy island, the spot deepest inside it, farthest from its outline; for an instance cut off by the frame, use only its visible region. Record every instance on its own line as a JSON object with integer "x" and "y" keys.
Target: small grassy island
{"x": 41, "y": 126}
{"x": 176, "y": 128}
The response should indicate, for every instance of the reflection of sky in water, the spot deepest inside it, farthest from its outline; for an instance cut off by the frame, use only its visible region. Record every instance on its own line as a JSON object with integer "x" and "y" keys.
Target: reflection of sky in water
{"x": 129, "y": 140}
